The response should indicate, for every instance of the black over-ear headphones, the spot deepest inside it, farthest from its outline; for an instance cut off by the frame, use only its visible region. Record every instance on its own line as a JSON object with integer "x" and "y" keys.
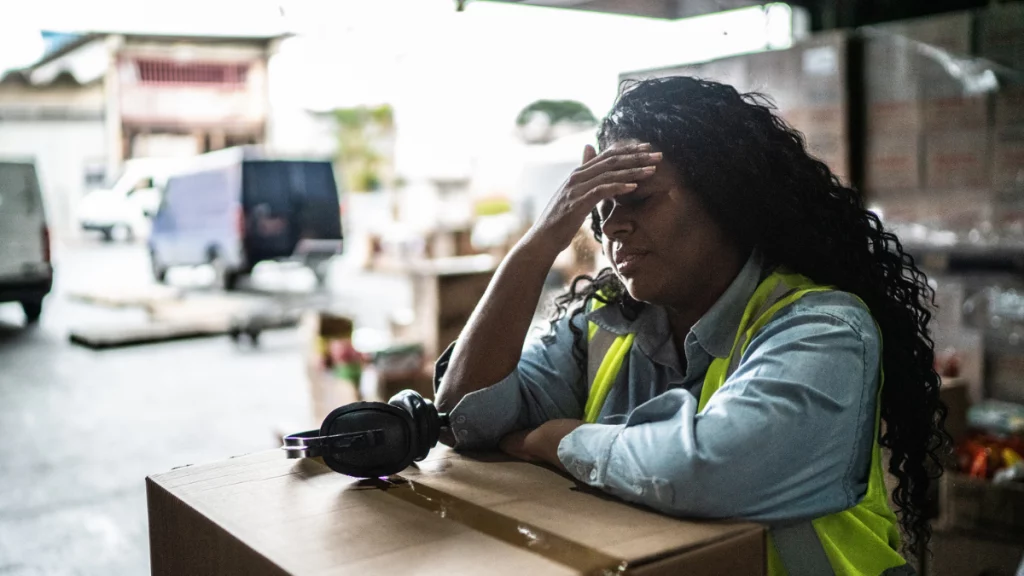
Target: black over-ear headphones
{"x": 372, "y": 439}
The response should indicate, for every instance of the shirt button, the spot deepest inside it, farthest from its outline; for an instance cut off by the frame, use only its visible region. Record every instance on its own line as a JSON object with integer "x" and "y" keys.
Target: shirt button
{"x": 460, "y": 420}
{"x": 463, "y": 433}
{"x": 638, "y": 489}
{"x": 593, "y": 474}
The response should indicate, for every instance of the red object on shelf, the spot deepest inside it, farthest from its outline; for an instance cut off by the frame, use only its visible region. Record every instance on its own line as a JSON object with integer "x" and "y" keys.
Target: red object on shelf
{"x": 979, "y": 465}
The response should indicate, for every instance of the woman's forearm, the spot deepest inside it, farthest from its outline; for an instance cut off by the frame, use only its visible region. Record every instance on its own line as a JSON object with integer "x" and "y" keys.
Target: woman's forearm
{"x": 490, "y": 345}
{"x": 492, "y": 341}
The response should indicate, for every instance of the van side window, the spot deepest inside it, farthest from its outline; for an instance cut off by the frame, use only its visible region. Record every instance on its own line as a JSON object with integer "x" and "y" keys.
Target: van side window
{"x": 17, "y": 190}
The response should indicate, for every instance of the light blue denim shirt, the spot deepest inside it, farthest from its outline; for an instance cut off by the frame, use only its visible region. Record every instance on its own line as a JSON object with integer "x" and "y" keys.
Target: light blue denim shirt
{"x": 789, "y": 435}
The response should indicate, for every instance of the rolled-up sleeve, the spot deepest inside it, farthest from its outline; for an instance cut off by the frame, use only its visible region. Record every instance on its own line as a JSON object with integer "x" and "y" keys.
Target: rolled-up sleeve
{"x": 788, "y": 436}
{"x": 546, "y": 384}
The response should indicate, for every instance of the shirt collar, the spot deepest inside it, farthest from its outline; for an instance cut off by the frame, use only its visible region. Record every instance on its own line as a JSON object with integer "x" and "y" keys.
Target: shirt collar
{"x": 716, "y": 329}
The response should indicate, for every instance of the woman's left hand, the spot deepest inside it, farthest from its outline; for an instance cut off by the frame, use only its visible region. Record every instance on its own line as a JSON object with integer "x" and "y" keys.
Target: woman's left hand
{"x": 541, "y": 443}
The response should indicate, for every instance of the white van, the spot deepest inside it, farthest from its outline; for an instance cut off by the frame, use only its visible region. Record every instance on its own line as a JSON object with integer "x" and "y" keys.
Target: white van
{"x": 25, "y": 271}
{"x": 236, "y": 207}
{"x": 124, "y": 210}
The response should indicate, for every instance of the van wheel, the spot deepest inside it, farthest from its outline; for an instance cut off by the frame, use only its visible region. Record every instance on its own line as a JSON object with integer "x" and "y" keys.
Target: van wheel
{"x": 121, "y": 233}
{"x": 231, "y": 279}
{"x": 33, "y": 310}
{"x": 223, "y": 277}
{"x": 159, "y": 272}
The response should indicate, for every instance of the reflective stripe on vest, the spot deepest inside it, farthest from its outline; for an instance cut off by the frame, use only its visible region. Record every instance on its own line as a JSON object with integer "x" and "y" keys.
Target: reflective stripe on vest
{"x": 605, "y": 354}
{"x": 861, "y": 540}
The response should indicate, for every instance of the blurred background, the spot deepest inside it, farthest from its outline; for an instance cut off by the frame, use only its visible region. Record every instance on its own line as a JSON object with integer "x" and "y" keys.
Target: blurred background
{"x": 220, "y": 219}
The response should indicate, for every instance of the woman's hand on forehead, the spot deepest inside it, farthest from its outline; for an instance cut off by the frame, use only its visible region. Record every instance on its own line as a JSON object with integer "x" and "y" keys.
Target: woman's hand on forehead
{"x": 613, "y": 172}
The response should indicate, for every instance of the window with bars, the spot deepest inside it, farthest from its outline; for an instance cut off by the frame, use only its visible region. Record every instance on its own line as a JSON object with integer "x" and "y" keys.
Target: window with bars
{"x": 166, "y": 72}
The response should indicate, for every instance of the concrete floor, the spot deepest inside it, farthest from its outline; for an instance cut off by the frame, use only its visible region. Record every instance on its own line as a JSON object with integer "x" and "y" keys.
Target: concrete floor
{"x": 81, "y": 429}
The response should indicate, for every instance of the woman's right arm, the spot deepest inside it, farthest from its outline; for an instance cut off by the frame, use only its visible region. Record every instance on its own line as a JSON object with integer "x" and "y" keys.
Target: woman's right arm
{"x": 489, "y": 347}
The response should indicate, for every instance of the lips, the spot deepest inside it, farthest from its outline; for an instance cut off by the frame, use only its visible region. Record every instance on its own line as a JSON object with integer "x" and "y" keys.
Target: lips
{"x": 627, "y": 260}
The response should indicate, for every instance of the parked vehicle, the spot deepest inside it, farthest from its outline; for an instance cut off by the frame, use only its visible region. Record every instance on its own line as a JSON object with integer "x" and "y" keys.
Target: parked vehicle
{"x": 124, "y": 210}
{"x": 26, "y": 274}
{"x": 234, "y": 208}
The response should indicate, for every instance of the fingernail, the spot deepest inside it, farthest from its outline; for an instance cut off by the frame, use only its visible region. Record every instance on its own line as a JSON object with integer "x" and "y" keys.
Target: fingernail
{"x": 644, "y": 146}
{"x": 630, "y": 185}
{"x": 655, "y": 155}
{"x": 648, "y": 169}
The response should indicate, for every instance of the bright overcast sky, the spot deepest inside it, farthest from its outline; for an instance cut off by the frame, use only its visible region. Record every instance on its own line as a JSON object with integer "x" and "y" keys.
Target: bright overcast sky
{"x": 455, "y": 78}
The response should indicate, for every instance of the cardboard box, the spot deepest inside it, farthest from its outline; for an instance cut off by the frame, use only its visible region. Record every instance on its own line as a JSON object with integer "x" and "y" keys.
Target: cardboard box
{"x": 1008, "y": 158}
{"x": 981, "y": 507}
{"x": 1001, "y": 34}
{"x": 776, "y": 73}
{"x": 888, "y": 67}
{"x": 261, "y": 514}
{"x": 1010, "y": 107}
{"x": 391, "y": 383}
{"x": 909, "y": 91}
{"x": 956, "y": 160}
{"x": 1005, "y": 374}
{"x": 818, "y": 120}
{"x": 822, "y": 74}
{"x": 948, "y": 32}
{"x": 889, "y": 118}
{"x": 959, "y": 554}
{"x": 892, "y": 162}
{"x": 955, "y": 113}
{"x": 732, "y": 71}
{"x": 445, "y": 293}
{"x": 897, "y": 64}
{"x": 955, "y": 394}
{"x": 971, "y": 504}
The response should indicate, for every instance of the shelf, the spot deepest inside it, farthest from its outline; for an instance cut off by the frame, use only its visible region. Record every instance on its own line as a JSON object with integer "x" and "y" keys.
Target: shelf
{"x": 967, "y": 257}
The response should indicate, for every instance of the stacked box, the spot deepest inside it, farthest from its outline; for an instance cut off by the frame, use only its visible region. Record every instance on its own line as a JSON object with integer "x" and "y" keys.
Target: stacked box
{"x": 445, "y": 293}
{"x": 956, "y": 160}
{"x": 822, "y": 112}
{"x": 806, "y": 82}
{"x": 915, "y": 109}
{"x": 1001, "y": 35}
{"x": 1001, "y": 31}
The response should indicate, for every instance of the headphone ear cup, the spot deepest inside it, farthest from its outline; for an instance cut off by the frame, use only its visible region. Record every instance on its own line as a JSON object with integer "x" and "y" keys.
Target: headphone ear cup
{"x": 376, "y": 439}
{"x": 426, "y": 421}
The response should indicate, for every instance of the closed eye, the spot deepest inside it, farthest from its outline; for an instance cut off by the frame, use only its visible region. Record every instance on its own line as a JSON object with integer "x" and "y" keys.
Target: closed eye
{"x": 631, "y": 200}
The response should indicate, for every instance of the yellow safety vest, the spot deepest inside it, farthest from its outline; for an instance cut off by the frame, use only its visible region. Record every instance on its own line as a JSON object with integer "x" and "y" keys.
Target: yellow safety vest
{"x": 860, "y": 541}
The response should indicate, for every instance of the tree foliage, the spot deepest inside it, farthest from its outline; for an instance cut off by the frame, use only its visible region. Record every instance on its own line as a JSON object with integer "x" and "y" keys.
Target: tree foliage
{"x": 557, "y": 111}
{"x": 360, "y": 132}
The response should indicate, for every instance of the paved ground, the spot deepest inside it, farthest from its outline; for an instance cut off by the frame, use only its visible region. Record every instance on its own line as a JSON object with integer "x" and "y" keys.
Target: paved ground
{"x": 80, "y": 429}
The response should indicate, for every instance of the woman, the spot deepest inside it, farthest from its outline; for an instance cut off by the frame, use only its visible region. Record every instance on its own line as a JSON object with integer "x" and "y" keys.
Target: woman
{"x": 731, "y": 362}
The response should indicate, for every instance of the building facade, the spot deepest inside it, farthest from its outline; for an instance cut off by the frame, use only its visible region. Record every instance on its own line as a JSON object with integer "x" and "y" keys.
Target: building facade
{"x": 103, "y": 98}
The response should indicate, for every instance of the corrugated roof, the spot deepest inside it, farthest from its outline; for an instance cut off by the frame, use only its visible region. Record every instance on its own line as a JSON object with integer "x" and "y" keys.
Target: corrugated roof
{"x": 77, "y": 61}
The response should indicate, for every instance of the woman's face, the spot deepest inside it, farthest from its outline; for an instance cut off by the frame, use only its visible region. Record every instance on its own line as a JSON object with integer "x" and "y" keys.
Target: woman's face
{"x": 662, "y": 242}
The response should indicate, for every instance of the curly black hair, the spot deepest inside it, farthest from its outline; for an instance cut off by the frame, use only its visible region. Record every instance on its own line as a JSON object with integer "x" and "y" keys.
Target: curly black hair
{"x": 754, "y": 175}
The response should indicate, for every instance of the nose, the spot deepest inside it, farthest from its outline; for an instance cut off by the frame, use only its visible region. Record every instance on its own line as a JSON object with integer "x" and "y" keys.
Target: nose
{"x": 619, "y": 223}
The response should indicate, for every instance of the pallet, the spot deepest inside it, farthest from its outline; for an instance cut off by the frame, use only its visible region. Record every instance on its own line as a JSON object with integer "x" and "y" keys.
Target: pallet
{"x": 137, "y": 297}
{"x": 103, "y": 337}
{"x": 184, "y": 318}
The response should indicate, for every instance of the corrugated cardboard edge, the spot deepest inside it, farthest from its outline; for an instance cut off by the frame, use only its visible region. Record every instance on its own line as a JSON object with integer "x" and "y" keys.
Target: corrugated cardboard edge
{"x": 175, "y": 529}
